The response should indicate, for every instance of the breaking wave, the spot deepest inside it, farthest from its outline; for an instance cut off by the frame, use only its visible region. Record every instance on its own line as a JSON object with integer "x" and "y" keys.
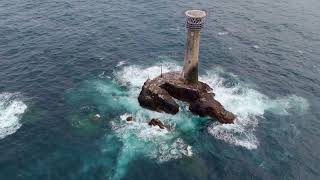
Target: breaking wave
{"x": 117, "y": 100}
{"x": 11, "y": 110}
{"x": 121, "y": 63}
{"x": 248, "y": 104}
{"x": 134, "y": 76}
{"x": 139, "y": 138}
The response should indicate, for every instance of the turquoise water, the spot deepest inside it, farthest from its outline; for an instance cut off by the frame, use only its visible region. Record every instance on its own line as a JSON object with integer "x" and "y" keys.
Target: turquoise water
{"x": 71, "y": 72}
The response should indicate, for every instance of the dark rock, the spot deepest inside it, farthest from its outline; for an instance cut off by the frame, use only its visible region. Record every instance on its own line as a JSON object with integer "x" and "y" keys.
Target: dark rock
{"x": 129, "y": 118}
{"x": 207, "y": 106}
{"x": 157, "y": 99}
{"x": 180, "y": 92}
{"x": 157, "y": 122}
{"x": 186, "y": 92}
{"x": 158, "y": 94}
{"x": 95, "y": 118}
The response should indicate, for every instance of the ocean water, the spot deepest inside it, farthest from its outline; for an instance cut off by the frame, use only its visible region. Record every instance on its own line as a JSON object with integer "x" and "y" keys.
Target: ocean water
{"x": 71, "y": 71}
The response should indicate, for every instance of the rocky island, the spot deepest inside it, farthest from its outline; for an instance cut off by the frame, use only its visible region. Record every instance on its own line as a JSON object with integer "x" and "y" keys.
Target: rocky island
{"x": 159, "y": 94}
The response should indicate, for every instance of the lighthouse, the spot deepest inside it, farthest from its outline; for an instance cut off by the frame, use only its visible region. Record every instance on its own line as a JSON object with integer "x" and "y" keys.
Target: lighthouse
{"x": 194, "y": 24}
{"x": 161, "y": 93}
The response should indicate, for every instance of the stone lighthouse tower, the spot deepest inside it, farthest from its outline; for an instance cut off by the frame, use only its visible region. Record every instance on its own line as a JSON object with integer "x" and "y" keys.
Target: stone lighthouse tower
{"x": 160, "y": 94}
{"x": 195, "y": 21}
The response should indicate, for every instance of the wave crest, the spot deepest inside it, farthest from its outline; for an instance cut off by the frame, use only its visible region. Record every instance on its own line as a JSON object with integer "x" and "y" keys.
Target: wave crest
{"x": 11, "y": 110}
{"x": 248, "y": 104}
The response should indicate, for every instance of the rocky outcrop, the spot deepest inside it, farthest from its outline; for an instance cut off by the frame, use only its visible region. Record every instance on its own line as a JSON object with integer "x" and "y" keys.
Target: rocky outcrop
{"x": 157, "y": 94}
{"x": 208, "y": 106}
{"x": 155, "y": 98}
{"x": 157, "y": 122}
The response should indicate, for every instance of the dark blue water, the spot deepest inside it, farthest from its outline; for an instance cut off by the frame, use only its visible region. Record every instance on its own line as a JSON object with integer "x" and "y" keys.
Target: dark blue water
{"x": 70, "y": 73}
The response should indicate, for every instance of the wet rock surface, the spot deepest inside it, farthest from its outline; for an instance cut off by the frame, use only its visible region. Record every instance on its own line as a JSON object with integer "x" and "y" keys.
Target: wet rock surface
{"x": 208, "y": 106}
{"x": 158, "y": 95}
{"x": 153, "y": 97}
{"x": 157, "y": 122}
{"x": 129, "y": 119}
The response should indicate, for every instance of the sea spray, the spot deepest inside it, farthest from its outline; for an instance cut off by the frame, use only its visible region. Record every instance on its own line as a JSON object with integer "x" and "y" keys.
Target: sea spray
{"x": 248, "y": 104}
{"x": 134, "y": 76}
{"x": 117, "y": 99}
{"x": 116, "y": 103}
{"x": 11, "y": 110}
{"x": 140, "y": 139}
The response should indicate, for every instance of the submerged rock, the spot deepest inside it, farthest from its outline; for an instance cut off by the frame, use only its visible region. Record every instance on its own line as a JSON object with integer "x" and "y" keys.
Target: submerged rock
{"x": 130, "y": 118}
{"x": 95, "y": 118}
{"x": 157, "y": 94}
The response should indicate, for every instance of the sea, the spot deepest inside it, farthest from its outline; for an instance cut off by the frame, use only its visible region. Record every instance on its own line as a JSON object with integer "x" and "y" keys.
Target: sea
{"x": 71, "y": 72}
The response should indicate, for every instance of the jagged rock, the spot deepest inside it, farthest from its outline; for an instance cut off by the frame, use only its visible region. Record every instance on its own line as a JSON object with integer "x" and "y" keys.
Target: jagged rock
{"x": 157, "y": 122}
{"x": 157, "y": 99}
{"x": 208, "y": 106}
{"x": 157, "y": 94}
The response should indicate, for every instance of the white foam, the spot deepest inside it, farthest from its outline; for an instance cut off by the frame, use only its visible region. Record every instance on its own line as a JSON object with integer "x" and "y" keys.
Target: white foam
{"x": 223, "y": 33}
{"x": 134, "y": 76}
{"x": 11, "y": 109}
{"x": 174, "y": 29}
{"x": 121, "y": 63}
{"x": 256, "y": 46}
{"x": 139, "y": 138}
{"x": 152, "y": 141}
{"x": 124, "y": 117}
{"x": 248, "y": 104}
{"x": 103, "y": 76}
